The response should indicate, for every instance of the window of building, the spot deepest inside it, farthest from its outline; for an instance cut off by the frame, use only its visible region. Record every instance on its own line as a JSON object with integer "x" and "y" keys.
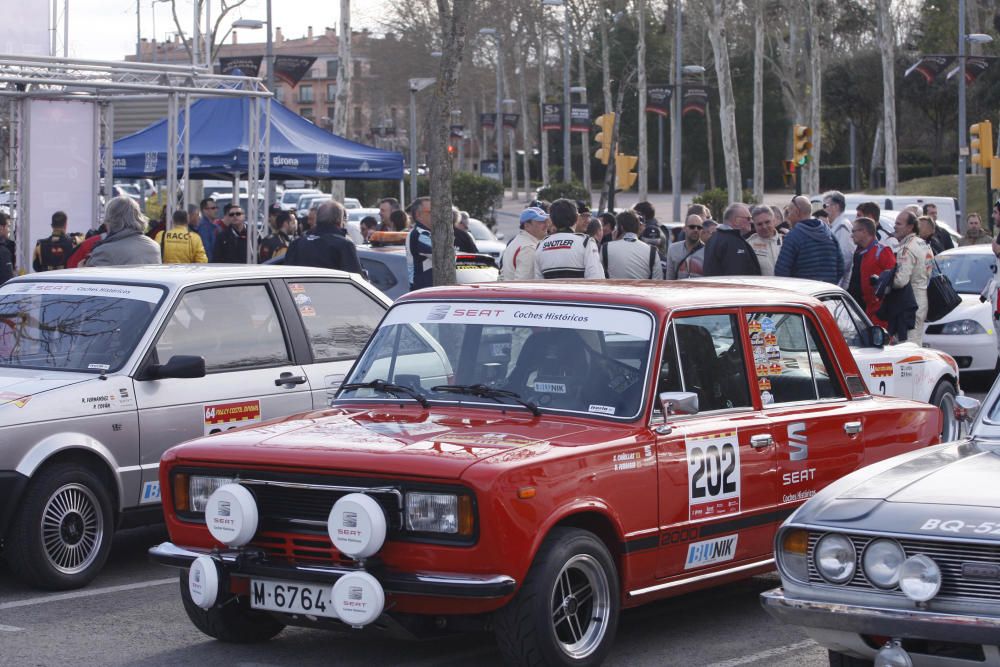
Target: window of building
{"x": 331, "y": 68}
{"x": 306, "y": 93}
{"x": 357, "y": 116}
{"x": 329, "y": 112}
{"x": 331, "y": 92}
{"x": 307, "y": 112}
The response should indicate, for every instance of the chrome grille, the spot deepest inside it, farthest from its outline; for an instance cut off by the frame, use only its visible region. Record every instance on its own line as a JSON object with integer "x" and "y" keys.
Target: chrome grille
{"x": 949, "y": 556}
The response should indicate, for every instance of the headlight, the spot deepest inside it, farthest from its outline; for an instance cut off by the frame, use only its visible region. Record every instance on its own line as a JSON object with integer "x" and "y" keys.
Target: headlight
{"x": 881, "y": 560}
{"x": 962, "y": 328}
{"x": 439, "y": 513}
{"x": 200, "y": 488}
{"x": 835, "y": 558}
{"x": 919, "y": 578}
{"x": 792, "y": 549}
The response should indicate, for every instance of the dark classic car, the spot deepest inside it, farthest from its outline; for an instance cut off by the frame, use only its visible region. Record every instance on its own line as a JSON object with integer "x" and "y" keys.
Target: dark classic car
{"x": 899, "y": 562}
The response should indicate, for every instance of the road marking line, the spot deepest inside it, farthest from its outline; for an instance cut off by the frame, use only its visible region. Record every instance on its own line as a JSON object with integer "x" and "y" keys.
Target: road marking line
{"x": 85, "y": 594}
{"x": 769, "y": 653}
{"x": 9, "y": 628}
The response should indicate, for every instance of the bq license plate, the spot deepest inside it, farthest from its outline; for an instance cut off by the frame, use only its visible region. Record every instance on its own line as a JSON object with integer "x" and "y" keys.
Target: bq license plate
{"x": 291, "y": 597}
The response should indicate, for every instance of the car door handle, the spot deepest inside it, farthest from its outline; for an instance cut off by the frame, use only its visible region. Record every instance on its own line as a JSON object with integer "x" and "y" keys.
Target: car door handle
{"x": 852, "y": 428}
{"x": 289, "y": 379}
{"x": 761, "y": 441}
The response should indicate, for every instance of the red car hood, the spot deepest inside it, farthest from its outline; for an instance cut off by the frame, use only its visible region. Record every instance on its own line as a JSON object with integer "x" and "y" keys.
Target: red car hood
{"x": 401, "y": 442}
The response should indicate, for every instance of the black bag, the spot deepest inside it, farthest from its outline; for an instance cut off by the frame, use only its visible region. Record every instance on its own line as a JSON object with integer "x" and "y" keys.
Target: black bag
{"x": 941, "y": 295}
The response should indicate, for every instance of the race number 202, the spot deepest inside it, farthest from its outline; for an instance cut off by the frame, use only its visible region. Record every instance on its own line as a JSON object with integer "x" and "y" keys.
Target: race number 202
{"x": 713, "y": 474}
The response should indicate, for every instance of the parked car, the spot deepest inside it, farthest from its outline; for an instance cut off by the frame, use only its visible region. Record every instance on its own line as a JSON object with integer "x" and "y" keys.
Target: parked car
{"x": 947, "y": 206}
{"x": 899, "y": 562}
{"x": 968, "y": 333}
{"x": 905, "y": 370}
{"x": 486, "y": 241}
{"x": 290, "y": 197}
{"x": 351, "y": 202}
{"x": 532, "y": 458}
{"x": 101, "y": 370}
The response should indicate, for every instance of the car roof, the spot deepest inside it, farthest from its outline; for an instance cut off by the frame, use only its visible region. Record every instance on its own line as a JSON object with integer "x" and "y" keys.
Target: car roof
{"x": 180, "y": 275}
{"x": 657, "y": 295}
{"x": 798, "y": 285}
{"x": 978, "y": 249}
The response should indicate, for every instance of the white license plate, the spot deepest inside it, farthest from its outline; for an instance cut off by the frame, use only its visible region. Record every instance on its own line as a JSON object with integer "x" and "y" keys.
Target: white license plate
{"x": 291, "y": 597}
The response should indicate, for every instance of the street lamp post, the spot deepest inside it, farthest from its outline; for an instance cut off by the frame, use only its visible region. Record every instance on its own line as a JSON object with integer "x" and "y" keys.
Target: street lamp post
{"x": 416, "y": 85}
{"x": 498, "y": 123}
{"x": 963, "y": 146}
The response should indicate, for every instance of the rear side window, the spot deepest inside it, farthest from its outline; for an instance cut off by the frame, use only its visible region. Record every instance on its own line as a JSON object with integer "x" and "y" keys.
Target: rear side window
{"x": 790, "y": 359}
{"x": 338, "y": 316}
{"x": 379, "y": 274}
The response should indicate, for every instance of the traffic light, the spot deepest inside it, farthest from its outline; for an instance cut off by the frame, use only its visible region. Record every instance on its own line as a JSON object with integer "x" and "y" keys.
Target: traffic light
{"x": 607, "y": 125}
{"x": 801, "y": 144}
{"x": 981, "y": 145}
{"x": 451, "y": 151}
{"x": 624, "y": 176}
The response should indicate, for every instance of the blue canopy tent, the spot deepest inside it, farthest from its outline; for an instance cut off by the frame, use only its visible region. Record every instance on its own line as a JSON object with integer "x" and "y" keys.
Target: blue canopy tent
{"x": 220, "y": 147}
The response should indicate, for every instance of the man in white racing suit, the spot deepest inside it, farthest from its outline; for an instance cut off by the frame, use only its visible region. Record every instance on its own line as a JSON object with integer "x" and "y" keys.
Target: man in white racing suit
{"x": 566, "y": 254}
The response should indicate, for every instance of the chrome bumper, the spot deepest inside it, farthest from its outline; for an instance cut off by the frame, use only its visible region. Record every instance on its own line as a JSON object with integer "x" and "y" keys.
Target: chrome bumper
{"x": 900, "y": 623}
{"x": 253, "y": 563}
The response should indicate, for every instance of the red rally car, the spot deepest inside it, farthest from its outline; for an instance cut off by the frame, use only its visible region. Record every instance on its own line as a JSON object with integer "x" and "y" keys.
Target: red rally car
{"x": 531, "y": 458}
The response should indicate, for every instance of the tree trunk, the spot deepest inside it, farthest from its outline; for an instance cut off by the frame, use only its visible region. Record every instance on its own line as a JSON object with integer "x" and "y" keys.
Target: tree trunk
{"x": 886, "y": 29}
{"x": 727, "y": 101}
{"x": 815, "y": 97}
{"x": 606, "y": 62}
{"x": 341, "y": 115}
{"x": 878, "y": 152}
{"x": 758, "y": 102}
{"x": 454, "y": 18}
{"x": 641, "y": 83}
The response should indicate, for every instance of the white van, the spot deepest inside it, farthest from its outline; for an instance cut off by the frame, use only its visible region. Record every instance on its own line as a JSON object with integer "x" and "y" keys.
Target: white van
{"x": 947, "y": 206}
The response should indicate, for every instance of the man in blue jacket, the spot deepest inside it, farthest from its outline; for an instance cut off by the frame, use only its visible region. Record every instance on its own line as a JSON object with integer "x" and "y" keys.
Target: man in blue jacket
{"x": 809, "y": 250}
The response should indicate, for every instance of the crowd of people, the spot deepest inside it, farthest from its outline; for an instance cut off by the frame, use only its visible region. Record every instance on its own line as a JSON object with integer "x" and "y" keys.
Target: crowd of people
{"x": 887, "y": 274}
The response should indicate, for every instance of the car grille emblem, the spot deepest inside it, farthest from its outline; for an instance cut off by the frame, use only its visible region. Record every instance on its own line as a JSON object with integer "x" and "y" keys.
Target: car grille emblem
{"x": 224, "y": 508}
{"x": 980, "y": 571}
{"x": 354, "y": 593}
{"x": 350, "y": 520}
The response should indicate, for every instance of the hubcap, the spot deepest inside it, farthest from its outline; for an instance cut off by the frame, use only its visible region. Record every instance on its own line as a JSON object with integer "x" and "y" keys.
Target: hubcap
{"x": 72, "y": 528}
{"x": 949, "y": 425}
{"x": 581, "y": 606}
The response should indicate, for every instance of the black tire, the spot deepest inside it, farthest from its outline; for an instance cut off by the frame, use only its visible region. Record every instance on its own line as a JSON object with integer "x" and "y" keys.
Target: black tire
{"x": 943, "y": 397}
{"x": 841, "y": 660}
{"x": 568, "y": 562}
{"x": 61, "y": 536}
{"x": 233, "y": 622}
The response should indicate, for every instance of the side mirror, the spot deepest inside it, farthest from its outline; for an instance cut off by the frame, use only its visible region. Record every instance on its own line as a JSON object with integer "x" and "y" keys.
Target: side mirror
{"x": 679, "y": 403}
{"x": 179, "y": 366}
{"x": 499, "y": 236}
{"x": 878, "y": 336}
{"x": 966, "y": 408}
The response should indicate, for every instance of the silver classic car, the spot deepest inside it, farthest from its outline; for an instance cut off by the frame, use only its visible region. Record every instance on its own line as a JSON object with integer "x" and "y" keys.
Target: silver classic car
{"x": 898, "y": 564}
{"x": 102, "y": 370}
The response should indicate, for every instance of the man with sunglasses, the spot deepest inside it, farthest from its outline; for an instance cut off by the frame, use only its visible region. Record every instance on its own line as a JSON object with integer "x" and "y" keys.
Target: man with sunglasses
{"x": 231, "y": 240}
{"x": 206, "y": 227}
{"x": 685, "y": 258}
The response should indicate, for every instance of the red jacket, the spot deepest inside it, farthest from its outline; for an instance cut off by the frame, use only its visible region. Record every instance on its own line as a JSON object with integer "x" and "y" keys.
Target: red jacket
{"x": 874, "y": 260}
{"x": 82, "y": 251}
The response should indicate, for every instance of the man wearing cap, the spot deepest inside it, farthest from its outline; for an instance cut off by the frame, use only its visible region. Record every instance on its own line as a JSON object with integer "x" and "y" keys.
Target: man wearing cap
{"x": 518, "y": 259}
{"x": 566, "y": 254}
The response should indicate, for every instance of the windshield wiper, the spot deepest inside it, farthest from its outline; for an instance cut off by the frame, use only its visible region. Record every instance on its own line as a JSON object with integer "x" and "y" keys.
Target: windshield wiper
{"x": 482, "y": 391}
{"x": 388, "y": 388}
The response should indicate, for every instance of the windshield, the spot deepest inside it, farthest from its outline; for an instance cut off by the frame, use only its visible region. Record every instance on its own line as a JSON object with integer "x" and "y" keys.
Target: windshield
{"x": 561, "y": 358}
{"x": 968, "y": 273}
{"x": 73, "y": 326}
{"x": 480, "y": 231}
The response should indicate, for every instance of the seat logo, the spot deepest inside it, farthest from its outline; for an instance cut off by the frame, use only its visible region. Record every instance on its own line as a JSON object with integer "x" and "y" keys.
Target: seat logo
{"x": 798, "y": 444}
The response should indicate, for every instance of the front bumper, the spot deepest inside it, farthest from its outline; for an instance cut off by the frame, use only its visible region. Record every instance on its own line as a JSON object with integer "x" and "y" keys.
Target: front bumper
{"x": 248, "y": 562}
{"x": 974, "y": 353}
{"x": 864, "y": 620}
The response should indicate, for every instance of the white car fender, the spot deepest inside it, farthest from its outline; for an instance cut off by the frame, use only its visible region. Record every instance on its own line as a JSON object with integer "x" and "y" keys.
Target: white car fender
{"x": 54, "y": 443}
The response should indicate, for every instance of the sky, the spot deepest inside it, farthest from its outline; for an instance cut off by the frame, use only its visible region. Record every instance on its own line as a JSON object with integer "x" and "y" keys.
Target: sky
{"x": 106, "y": 29}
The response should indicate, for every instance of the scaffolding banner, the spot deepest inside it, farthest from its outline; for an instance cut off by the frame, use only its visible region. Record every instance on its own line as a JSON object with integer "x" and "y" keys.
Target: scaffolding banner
{"x": 25, "y": 29}
{"x": 487, "y": 121}
{"x": 930, "y": 67}
{"x": 291, "y": 69}
{"x": 658, "y": 98}
{"x": 240, "y": 65}
{"x": 552, "y": 117}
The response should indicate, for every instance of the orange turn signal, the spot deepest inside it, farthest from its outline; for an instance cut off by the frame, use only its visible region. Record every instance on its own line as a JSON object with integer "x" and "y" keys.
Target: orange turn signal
{"x": 182, "y": 501}
{"x": 526, "y": 492}
{"x": 796, "y": 542}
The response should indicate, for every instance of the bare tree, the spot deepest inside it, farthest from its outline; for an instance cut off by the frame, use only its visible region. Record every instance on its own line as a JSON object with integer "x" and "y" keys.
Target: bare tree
{"x": 453, "y": 16}
{"x": 727, "y": 102}
{"x": 342, "y": 103}
{"x": 640, "y": 6}
{"x": 216, "y": 41}
{"x": 758, "y": 102}
{"x": 811, "y": 175}
{"x": 886, "y": 28}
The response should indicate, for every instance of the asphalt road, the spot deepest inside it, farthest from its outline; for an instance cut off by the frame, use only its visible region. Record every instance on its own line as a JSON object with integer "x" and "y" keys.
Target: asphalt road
{"x": 132, "y": 615}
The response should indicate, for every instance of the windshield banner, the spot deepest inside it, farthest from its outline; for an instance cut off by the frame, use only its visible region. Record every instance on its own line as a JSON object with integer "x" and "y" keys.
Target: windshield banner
{"x": 612, "y": 320}
{"x": 147, "y": 294}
